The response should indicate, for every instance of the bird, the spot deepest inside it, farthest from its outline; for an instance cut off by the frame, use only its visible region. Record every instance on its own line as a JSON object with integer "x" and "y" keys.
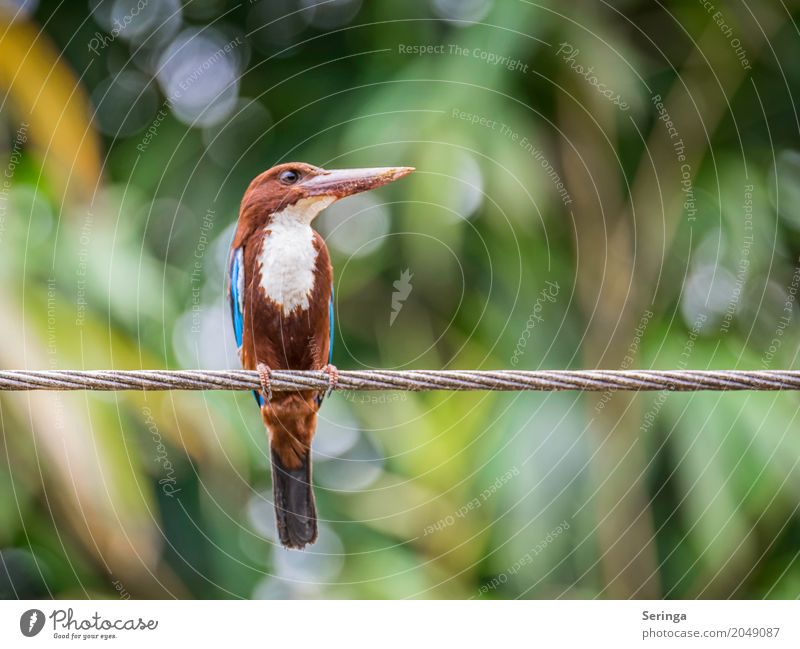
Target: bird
{"x": 280, "y": 287}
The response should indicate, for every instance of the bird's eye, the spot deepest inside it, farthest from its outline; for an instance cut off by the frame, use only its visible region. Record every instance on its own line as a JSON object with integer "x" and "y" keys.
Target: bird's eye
{"x": 289, "y": 177}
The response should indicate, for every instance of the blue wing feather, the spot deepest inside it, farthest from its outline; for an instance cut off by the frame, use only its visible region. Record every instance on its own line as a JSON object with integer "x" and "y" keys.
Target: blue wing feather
{"x": 321, "y": 395}
{"x": 236, "y": 297}
{"x": 236, "y": 294}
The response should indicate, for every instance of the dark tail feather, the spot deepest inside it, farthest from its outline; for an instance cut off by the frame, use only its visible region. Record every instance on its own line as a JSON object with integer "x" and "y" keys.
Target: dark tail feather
{"x": 294, "y": 503}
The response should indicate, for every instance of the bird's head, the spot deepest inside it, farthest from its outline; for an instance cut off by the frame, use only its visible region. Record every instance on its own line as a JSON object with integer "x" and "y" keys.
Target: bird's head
{"x": 302, "y": 190}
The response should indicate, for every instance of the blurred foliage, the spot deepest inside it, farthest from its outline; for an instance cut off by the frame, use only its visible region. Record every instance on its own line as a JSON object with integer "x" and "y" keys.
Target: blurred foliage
{"x": 126, "y": 141}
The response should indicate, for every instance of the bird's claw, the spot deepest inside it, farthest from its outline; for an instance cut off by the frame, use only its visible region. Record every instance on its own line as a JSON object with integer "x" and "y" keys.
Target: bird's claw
{"x": 265, "y": 374}
{"x": 333, "y": 378}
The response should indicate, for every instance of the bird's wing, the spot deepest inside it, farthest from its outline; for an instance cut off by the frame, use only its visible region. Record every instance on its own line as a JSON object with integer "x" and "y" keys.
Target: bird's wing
{"x": 236, "y": 298}
{"x": 321, "y": 395}
{"x": 236, "y": 293}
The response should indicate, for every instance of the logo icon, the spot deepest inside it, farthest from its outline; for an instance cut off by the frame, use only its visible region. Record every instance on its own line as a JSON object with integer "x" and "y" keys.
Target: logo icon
{"x": 402, "y": 290}
{"x": 31, "y": 622}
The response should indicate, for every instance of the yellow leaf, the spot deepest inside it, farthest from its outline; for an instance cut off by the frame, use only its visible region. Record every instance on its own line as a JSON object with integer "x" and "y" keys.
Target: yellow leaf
{"x": 50, "y": 99}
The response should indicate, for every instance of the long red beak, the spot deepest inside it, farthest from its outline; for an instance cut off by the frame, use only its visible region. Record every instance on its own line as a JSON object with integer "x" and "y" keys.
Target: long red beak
{"x": 345, "y": 182}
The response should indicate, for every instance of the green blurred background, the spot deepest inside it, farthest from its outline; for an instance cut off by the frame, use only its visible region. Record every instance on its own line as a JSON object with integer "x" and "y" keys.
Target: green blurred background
{"x": 599, "y": 185}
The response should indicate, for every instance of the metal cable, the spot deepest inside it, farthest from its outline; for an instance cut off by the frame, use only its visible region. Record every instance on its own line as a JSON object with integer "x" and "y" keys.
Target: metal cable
{"x": 408, "y": 380}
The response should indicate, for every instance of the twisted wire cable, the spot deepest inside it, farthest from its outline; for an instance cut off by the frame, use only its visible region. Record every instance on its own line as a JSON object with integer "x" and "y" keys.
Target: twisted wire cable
{"x": 405, "y": 380}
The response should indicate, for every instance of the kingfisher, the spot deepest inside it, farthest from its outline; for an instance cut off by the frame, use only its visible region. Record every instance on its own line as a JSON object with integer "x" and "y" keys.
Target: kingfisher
{"x": 281, "y": 298}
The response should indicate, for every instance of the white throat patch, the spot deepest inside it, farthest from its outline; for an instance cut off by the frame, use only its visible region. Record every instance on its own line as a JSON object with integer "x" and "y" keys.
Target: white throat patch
{"x": 288, "y": 257}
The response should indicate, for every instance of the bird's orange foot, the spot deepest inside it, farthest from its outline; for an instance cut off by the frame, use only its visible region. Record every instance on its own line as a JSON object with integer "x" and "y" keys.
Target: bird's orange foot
{"x": 265, "y": 374}
{"x": 333, "y": 378}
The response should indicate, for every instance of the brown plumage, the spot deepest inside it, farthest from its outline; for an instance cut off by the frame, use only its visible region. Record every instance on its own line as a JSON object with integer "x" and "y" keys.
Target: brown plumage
{"x": 284, "y": 318}
{"x": 298, "y": 341}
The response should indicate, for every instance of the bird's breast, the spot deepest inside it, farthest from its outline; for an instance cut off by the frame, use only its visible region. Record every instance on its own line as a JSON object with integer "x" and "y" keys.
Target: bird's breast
{"x": 286, "y": 264}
